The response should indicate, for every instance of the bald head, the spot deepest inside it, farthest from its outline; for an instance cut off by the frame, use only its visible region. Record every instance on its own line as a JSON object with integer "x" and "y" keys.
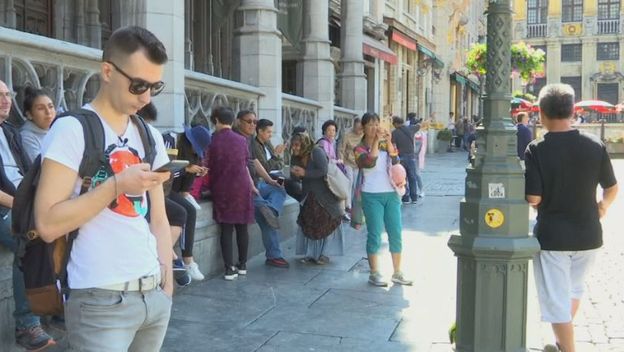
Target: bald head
{"x": 5, "y": 101}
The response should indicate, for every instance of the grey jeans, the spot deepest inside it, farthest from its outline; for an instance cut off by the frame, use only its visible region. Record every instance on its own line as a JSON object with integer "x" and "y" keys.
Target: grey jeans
{"x": 114, "y": 321}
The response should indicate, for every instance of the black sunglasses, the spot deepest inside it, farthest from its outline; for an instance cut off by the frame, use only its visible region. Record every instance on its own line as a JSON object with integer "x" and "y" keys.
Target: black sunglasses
{"x": 139, "y": 86}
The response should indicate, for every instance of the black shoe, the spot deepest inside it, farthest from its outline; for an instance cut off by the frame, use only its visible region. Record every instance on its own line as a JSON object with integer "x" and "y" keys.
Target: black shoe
{"x": 270, "y": 217}
{"x": 230, "y": 273}
{"x": 33, "y": 338}
{"x": 180, "y": 274}
{"x": 241, "y": 269}
{"x": 277, "y": 262}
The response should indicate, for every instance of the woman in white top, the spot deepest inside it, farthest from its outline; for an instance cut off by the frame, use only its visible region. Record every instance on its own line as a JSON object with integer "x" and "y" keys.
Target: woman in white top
{"x": 380, "y": 198}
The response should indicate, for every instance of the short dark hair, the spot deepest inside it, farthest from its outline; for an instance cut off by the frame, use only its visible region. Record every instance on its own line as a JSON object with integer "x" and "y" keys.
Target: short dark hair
{"x": 411, "y": 116}
{"x": 262, "y": 124}
{"x": 356, "y": 121}
{"x": 521, "y": 115}
{"x": 556, "y": 101}
{"x": 397, "y": 120}
{"x": 369, "y": 117}
{"x": 149, "y": 112}
{"x": 126, "y": 41}
{"x": 326, "y": 125}
{"x": 244, "y": 113}
{"x": 299, "y": 129}
{"x": 223, "y": 115}
{"x": 30, "y": 95}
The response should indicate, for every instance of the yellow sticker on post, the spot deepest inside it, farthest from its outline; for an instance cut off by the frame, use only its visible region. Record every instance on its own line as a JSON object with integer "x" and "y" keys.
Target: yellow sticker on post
{"x": 494, "y": 218}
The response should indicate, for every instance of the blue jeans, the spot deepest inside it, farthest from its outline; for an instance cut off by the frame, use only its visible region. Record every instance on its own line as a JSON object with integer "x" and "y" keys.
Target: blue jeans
{"x": 272, "y": 197}
{"x": 414, "y": 182}
{"x": 24, "y": 318}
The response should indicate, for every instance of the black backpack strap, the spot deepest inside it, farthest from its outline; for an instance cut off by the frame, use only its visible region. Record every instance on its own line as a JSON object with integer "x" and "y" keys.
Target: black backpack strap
{"x": 149, "y": 144}
{"x": 93, "y": 158}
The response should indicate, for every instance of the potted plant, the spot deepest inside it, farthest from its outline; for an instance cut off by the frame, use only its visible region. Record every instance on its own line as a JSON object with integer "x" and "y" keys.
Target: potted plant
{"x": 444, "y": 140}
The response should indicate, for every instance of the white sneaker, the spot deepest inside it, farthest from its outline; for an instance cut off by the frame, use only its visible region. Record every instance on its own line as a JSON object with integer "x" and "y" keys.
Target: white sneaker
{"x": 193, "y": 270}
{"x": 193, "y": 202}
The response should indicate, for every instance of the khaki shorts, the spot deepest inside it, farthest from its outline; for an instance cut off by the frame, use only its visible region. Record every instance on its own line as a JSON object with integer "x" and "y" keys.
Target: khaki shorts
{"x": 559, "y": 278}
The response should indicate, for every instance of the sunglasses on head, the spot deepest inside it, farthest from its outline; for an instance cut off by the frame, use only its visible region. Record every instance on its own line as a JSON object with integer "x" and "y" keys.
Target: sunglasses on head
{"x": 139, "y": 86}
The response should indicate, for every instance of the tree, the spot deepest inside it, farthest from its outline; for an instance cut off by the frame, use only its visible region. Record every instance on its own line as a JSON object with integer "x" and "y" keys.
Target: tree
{"x": 526, "y": 61}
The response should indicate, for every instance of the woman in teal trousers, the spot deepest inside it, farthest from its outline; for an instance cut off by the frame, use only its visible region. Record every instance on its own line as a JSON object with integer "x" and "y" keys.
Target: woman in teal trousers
{"x": 380, "y": 198}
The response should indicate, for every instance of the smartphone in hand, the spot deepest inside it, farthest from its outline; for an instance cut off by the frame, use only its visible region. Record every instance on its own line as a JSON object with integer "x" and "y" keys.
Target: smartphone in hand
{"x": 173, "y": 166}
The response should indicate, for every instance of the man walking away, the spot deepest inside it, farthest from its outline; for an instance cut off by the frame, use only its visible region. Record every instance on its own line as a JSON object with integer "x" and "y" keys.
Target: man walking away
{"x": 403, "y": 137}
{"x": 562, "y": 172}
{"x": 119, "y": 270}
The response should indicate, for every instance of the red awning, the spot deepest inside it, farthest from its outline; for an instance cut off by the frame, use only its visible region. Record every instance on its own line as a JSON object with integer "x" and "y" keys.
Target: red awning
{"x": 403, "y": 40}
{"x": 377, "y": 49}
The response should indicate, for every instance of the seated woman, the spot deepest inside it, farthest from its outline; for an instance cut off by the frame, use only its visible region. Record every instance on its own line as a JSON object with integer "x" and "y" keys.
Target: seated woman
{"x": 40, "y": 113}
{"x": 320, "y": 217}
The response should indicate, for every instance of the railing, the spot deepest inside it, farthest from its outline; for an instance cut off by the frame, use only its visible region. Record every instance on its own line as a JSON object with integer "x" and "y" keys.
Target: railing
{"x": 608, "y": 26}
{"x": 298, "y": 112}
{"x": 68, "y": 73}
{"x": 344, "y": 120}
{"x": 203, "y": 92}
{"x": 537, "y": 30}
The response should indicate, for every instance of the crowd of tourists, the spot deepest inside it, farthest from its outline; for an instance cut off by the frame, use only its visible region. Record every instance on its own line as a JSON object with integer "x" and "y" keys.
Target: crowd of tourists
{"x": 102, "y": 183}
{"x": 129, "y": 226}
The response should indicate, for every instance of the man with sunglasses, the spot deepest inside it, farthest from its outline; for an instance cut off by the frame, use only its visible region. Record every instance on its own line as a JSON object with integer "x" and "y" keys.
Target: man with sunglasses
{"x": 270, "y": 202}
{"x": 119, "y": 270}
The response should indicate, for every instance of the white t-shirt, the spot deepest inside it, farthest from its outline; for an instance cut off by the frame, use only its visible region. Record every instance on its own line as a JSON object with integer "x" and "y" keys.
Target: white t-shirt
{"x": 10, "y": 165}
{"x": 116, "y": 245}
{"x": 376, "y": 179}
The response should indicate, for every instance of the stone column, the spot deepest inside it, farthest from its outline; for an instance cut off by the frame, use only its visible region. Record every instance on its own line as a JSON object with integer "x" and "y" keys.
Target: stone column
{"x": 494, "y": 247}
{"x": 188, "y": 34}
{"x": 8, "y": 14}
{"x": 94, "y": 28}
{"x": 589, "y": 55}
{"x": 258, "y": 50}
{"x": 318, "y": 70}
{"x": 352, "y": 78}
{"x": 166, "y": 20}
{"x": 553, "y": 55}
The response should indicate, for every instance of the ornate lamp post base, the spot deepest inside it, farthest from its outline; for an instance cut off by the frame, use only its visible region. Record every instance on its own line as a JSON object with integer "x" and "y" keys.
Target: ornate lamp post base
{"x": 494, "y": 248}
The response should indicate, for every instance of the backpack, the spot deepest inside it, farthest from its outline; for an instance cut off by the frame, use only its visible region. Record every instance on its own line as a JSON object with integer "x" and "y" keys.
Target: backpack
{"x": 45, "y": 264}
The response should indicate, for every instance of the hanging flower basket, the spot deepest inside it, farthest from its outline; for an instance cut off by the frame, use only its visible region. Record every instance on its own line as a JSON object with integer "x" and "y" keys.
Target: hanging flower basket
{"x": 526, "y": 61}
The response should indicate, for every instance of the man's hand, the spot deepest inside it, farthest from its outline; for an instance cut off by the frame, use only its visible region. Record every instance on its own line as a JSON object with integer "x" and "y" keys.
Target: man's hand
{"x": 256, "y": 191}
{"x": 273, "y": 182}
{"x": 137, "y": 179}
{"x": 280, "y": 149}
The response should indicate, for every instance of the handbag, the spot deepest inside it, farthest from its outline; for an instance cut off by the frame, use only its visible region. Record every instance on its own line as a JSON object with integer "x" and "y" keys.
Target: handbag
{"x": 336, "y": 181}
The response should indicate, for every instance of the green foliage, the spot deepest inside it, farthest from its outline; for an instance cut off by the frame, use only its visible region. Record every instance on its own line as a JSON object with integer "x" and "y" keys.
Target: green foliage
{"x": 445, "y": 135}
{"x": 526, "y": 61}
{"x": 526, "y": 96}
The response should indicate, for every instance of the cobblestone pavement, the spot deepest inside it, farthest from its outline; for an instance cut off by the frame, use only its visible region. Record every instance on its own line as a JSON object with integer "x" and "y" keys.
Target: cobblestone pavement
{"x": 332, "y": 308}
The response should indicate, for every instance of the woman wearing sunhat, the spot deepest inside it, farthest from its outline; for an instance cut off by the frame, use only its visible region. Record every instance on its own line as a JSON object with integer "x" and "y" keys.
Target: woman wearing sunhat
{"x": 191, "y": 146}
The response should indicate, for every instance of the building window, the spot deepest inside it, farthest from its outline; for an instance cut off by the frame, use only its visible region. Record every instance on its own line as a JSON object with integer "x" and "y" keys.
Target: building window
{"x": 571, "y": 52}
{"x": 572, "y": 11}
{"x": 608, "y": 51}
{"x": 537, "y": 85}
{"x": 537, "y": 11}
{"x": 608, "y": 92}
{"x": 608, "y": 9}
{"x": 577, "y": 85}
{"x": 289, "y": 77}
